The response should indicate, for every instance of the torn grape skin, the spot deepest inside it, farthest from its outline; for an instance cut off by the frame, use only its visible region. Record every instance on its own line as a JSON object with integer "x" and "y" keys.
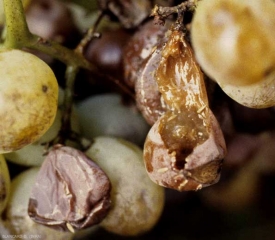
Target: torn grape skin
{"x": 185, "y": 147}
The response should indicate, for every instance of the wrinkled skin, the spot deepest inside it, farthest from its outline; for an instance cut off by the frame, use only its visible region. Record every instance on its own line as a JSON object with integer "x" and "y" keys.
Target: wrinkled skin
{"x": 71, "y": 192}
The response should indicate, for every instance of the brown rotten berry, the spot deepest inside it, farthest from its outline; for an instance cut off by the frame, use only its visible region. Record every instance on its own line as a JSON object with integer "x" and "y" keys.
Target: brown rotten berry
{"x": 71, "y": 192}
{"x": 141, "y": 57}
{"x": 106, "y": 52}
{"x": 148, "y": 98}
{"x": 129, "y": 12}
{"x": 140, "y": 47}
{"x": 51, "y": 19}
{"x": 185, "y": 147}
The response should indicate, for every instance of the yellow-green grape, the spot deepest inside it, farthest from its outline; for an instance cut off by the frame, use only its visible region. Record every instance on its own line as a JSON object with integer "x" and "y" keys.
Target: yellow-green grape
{"x": 28, "y": 99}
{"x": 234, "y": 44}
{"x": 17, "y": 220}
{"x": 4, "y": 183}
{"x": 137, "y": 201}
{"x": 33, "y": 154}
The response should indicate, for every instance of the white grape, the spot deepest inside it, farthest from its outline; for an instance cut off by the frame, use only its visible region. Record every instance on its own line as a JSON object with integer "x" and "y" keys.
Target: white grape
{"x": 234, "y": 44}
{"x": 137, "y": 201}
{"x": 33, "y": 154}
{"x": 28, "y": 99}
{"x": 106, "y": 115}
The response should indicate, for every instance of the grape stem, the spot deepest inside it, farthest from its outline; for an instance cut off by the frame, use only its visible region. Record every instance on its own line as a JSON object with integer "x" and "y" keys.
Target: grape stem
{"x": 161, "y": 13}
{"x": 17, "y": 29}
{"x": 91, "y": 33}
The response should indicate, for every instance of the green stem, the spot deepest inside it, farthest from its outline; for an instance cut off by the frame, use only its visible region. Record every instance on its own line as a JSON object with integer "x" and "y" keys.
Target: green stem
{"x": 19, "y": 36}
{"x": 65, "y": 55}
{"x": 66, "y": 130}
{"x": 17, "y": 29}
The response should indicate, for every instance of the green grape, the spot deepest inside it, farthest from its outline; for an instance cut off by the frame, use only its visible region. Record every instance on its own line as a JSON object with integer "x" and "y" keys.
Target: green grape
{"x": 234, "y": 44}
{"x": 105, "y": 114}
{"x": 28, "y": 99}
{"x": 137, "y": 201}
{"x": 4, "y": 183}
{"x": 17, "y": 219}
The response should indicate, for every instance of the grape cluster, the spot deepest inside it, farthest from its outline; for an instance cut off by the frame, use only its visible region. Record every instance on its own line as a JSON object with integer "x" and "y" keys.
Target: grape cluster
{"x": 146, "y": 116}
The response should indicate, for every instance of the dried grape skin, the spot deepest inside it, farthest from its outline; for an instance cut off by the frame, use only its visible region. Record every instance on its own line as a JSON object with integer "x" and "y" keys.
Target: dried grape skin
{"x": 17, "y": 220}
{"x": 70, "y": 191}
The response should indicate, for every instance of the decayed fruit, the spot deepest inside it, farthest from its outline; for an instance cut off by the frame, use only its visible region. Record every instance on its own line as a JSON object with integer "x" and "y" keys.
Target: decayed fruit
{"x": 28, "y": 99}
{"x": 137, "y": 201}
{"x": 148, "y": 98}
{"x": 106, "y": 52}
{"x": 234, "y": 44}
{"x": 129, "y": 12}
{"x": 51, "y": 19}
{"x": 185, "y": 147}
{"x": 4, "y": 183}
{"x": 140, "y": 47}
{"x": 141, "y": 57}
{"x": 71, "y": 192}
{"x": 17, "y": 221}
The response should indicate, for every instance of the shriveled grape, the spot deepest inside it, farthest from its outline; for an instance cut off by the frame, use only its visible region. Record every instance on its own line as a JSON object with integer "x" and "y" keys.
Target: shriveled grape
{"x": 81, "y": 190}
{"x": 234, "y": 44}
{"x": 17, "y": 219}
{"x": 28, "y": 99}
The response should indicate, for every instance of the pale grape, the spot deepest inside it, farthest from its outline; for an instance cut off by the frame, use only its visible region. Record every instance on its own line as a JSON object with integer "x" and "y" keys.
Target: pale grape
{"x": 28, "y": 99}
{"x": 33, "y": 154}
{"x": 234, "y": 44}
{"x": 137, "y": 201}
{"x": 105, "y": 114}
{"x": 4, "y": 184}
